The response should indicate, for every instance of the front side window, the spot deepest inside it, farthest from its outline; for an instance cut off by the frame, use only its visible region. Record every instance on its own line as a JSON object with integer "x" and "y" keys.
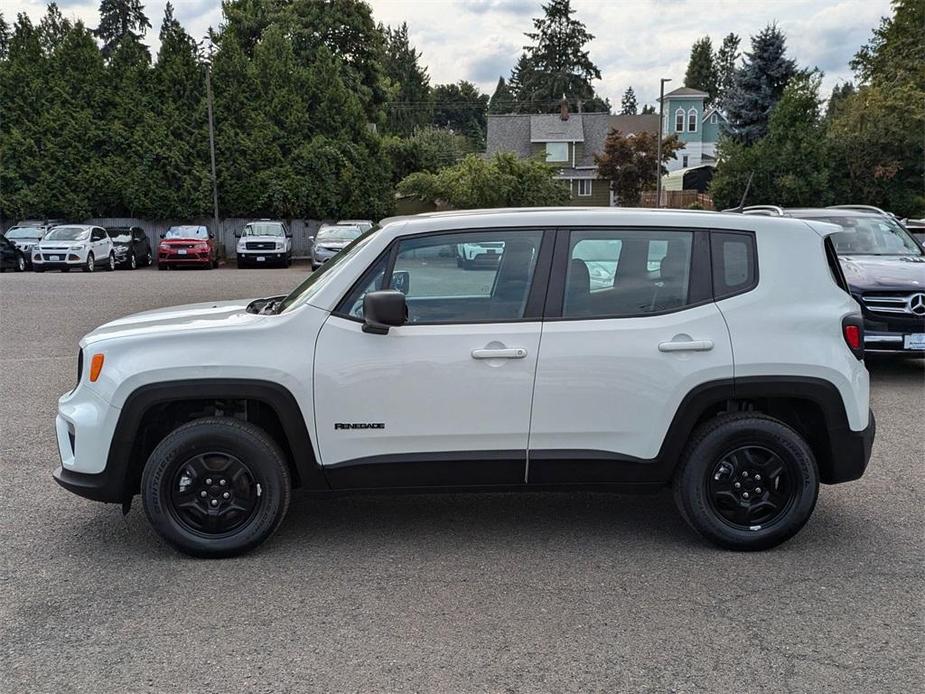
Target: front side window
{"x": 468, "y": 277}
{"x": 618, "y": 273}
{"x": 98, "y": 235}
{"x": 557, "y": 151}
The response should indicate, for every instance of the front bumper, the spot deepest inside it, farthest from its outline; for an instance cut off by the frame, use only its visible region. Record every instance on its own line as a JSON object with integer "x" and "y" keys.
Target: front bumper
{"x": 190, "y": 259}
{"x": 260, "y": 257}
{"x": 889, "y": 343}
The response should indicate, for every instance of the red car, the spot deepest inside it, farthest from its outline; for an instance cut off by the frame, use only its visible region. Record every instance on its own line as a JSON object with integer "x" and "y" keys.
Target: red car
{"x": 189, "y": 244}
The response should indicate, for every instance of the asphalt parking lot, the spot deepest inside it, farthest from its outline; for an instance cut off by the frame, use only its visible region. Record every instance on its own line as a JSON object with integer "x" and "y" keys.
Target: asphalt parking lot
{"x": 461, "y": 593}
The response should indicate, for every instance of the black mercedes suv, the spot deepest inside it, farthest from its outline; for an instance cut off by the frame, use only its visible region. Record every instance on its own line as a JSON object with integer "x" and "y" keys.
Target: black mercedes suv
{"x": 884, "y": 266}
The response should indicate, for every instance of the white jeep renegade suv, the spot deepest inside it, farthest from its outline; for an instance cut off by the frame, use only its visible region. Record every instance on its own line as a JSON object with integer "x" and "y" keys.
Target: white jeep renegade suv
{"x": 718, "y": 354}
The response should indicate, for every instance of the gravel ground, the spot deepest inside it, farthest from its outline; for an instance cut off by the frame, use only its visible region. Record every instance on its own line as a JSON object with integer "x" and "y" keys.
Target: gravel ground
{"x": 461, "y": 593}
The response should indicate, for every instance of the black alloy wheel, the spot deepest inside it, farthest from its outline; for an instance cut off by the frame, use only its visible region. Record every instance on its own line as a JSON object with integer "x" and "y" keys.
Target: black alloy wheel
{"x": 751, "y": 486}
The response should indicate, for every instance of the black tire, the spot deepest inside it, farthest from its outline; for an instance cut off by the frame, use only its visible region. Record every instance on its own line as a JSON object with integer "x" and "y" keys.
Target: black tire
{"x": 288, "y": 261}
{"x": 728, "y": 451}
{"x": 90, "y": 265}
{"x": 240, "y": 262}
{"x": 132, "y": 262}
{"x": 37, "y": 269}
{"x": 149, "y": 259}
{"x": 111, "y": 263}
{"x": 65, "y": 269}
{"x": 162, "y": 266}
{"x": 20, "y": 263}
{"x": 266, "y": 484}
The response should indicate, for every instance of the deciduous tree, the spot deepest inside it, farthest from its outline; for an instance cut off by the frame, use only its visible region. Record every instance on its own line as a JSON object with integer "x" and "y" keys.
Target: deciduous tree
{"x": 629, "y": 161}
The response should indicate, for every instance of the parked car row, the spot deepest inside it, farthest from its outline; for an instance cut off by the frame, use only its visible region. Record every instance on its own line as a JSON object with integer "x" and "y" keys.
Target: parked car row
{"x": 55, "y": 245}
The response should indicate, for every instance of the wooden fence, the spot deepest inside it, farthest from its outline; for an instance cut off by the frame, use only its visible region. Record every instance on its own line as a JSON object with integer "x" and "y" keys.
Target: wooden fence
{"x": 678, "y": 199}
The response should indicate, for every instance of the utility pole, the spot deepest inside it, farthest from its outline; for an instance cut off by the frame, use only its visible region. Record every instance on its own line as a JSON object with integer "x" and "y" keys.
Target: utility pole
{"x": 658, "y": 156}
{"x": 215, "y": 221}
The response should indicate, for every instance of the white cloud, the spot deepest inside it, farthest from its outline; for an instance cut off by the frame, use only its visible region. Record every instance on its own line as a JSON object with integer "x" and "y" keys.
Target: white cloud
{"x": 637, "y": 41}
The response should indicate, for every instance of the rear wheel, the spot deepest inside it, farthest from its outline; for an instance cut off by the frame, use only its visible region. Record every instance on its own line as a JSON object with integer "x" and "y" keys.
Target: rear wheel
{"x": 20, "y": 263}
{"x": 162, "y": 266}
{"x": 132, "y": 261}
{"x": 747, "y": 482}
{"x": 90, "y": 265}
{"x": 111, "y": 263}
{"x": 216, "y": 487}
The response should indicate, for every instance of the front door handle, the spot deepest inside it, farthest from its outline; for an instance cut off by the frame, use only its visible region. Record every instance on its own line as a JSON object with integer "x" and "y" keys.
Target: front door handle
{"x": 506, "y": 353}
{"x": 686, "y": 346}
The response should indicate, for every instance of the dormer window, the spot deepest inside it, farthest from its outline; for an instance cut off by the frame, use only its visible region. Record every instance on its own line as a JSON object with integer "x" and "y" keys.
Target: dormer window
{"x": 713, "y": 119}
{"x": 679, "y": 120}
{"x": 557, "y": 151}
{"x": 692, "y": 121}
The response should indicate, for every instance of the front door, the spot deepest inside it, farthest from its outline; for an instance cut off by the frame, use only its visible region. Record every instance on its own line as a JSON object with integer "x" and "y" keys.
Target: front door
{"x": 445, "y": 399}
{"x": 631, "y": 330}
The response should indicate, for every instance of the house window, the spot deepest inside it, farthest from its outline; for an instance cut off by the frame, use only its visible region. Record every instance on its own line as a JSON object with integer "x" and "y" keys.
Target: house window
{"x": 584, "y": 187}
{"x": 692, "y": 121}
{"x": 713, "y": 119}
{"x": 557, "y": 151}
{"x": 679, "y": 120}
{"x": 684, "y": 162}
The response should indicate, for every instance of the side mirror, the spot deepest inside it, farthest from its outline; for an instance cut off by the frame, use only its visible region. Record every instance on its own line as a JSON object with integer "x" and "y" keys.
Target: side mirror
{"x": 163, "y": 235}
{"x": 401, "y": 281}
{"x": 211, "y": 235}
{"x": 237, "y": 234}
{"x": 382, "y": 310}
{"x": 311, "y": 239}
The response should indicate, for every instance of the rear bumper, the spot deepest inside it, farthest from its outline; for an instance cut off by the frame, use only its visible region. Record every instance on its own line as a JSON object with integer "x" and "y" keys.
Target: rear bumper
{"x": 851, "y": 452}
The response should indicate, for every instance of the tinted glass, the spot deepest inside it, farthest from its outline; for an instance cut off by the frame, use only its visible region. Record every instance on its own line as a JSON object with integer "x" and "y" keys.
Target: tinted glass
{"x": 614, "y": 273}
{"x": 735, "y": 268}
{"x": 870, "y": 235}
{"x": 467, "y": 277}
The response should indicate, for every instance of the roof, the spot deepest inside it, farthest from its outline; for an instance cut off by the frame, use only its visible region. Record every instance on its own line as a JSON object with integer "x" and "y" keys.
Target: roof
{"x": 515, "y": 132}
{"x": 549, "y": 127}
{"x": 686, "y": 92}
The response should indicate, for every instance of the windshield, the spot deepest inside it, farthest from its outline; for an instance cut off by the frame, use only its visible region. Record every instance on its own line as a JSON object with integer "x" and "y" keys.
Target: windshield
{"x": 338, "y": 233}
{"x": 305, "y": 289}
{"x": 24, "y": 233}
{"x": 263, "y": 229}
{"x": 186, "y": 232}
{"x": 870, "y": 235}
{"x": 120, "y": 235}
{"x": 68, "y": 234}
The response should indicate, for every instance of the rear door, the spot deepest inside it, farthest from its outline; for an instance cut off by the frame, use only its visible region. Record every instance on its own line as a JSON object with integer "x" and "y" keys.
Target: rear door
{"x": 631, "y": 329}
{"x": 445, "y": 399}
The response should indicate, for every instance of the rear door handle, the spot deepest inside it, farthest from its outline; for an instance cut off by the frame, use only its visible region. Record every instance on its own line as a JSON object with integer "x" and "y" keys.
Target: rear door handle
{"x": 506, "y": 353}
{"x": 686, "y": 346}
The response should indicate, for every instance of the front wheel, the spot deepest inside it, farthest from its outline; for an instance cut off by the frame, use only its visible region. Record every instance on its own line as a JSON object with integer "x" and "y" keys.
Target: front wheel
{"x": 747, "y": 482}
{"x": 216, "y": 487}
{"x": 90, "y": 265}
{"x": 111, "y": 264}
{"x": 132, "y": 262}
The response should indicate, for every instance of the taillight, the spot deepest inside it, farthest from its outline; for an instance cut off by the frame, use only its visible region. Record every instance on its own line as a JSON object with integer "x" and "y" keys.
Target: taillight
{"x": 852, "y": 328}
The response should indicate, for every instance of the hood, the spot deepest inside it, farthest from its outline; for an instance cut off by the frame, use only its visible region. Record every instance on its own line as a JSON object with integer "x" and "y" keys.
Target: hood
{"x": 52, "y": 244}
{"x": 875, "y": 272}
{"x": 262, "y": 239}
{"x": 192, "y": 317}
{"x": 184, "y": 240}
{"x": 322, "y": 243}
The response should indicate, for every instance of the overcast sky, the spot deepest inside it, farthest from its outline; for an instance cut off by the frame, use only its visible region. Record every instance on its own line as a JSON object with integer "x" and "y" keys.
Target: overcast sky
{"x": 637, "y": 41}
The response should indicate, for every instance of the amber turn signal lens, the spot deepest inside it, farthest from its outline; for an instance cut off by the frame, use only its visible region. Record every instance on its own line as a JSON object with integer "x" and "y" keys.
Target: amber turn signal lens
{"x": 96, "y": 365}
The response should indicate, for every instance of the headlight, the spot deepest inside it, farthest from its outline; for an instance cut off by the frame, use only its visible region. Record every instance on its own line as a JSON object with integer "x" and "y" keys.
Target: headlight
{"x": 280, "y": 245}
{"x": 76, "y": 248}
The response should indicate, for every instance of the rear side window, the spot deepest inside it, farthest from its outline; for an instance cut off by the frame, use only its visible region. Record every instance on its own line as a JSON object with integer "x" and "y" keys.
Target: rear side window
{"x": 624, "y": 272}
{"x": 735, "y": 262}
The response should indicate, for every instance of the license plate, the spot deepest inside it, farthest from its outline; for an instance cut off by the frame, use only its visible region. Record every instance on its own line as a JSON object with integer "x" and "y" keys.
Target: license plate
{"x": 182, "y": 251}
{"x": 914, "y": 341}
{"x": 260, "y": 258}
{"x": 54, "y": 257}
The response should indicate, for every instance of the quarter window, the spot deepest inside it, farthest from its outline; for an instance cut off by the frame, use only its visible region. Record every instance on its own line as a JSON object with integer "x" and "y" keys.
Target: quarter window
{"x": 618, "y": 273}
{"x": 735, "y": 266}
{"x": 557, "y": 151}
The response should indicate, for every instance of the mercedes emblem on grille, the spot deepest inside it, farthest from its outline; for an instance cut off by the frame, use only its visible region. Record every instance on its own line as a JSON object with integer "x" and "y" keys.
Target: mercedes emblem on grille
{"x": 916, "y": 304}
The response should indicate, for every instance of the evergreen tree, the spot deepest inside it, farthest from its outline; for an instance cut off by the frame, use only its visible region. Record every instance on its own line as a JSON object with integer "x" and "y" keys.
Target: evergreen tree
{"x": 758, "y": 86}
{"x": 791, "y": 164}
{"x": 559, "y": 63}
{"x": 896, "y": 52}
{"x": 121, "y": 19}
{"x": 646, "y": 109}
{"x": 461, "y": 107}
{"x": 502, "y": 101}
{"x": 519, "y": 84}
{"x": 409, "y": 85}
{"x": 725, "y": 63}
{"x": 4, "y": 37}
{"x": 628, "y": 104}
{"x": 701, "y": 71}
{"x": 840, "y": 94}
{"x": 53, "y": 28}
